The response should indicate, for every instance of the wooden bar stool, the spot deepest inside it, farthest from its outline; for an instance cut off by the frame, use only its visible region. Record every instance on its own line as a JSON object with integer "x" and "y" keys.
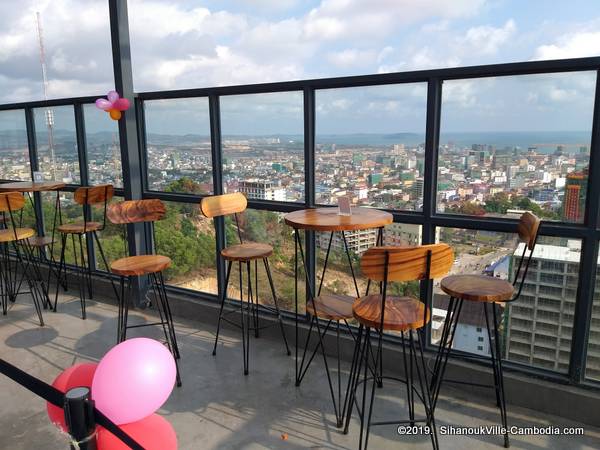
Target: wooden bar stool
{"x": 490, "y": 292}
{"x": 88, "y": 229}
{"x": 244, "y": 252}
{"x": 21, "y": 265}
{"x": 143, "y": 211}
{"x": 407, "y": 315}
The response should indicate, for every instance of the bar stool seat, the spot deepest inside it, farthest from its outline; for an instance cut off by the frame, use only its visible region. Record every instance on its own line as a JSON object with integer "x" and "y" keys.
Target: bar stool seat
{"x": 247, "y": 251}
{"x": 477, "y": 288}
{"x": 79, "y": 227}
{"x": 401, "y": 313}
{"x": 331, "y": 307}
{"x": 40, "y": 241}
{"x": 15, "y": 234}
{"x": 140, "y": 265}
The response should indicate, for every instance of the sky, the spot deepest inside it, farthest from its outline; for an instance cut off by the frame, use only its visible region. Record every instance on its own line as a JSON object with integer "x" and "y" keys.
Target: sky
{"x": 180, "y": 44}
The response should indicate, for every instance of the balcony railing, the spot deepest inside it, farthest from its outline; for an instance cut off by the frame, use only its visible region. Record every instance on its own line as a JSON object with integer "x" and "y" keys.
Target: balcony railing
{"x": 90, "y": 160}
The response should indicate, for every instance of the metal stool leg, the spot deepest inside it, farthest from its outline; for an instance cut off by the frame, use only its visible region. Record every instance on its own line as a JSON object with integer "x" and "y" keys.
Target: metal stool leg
{"x": 243, "y": 324}
{"x": 223, "y": 299}
{"x": 61, "y": 267}
{"x": 275, "y": 301}
{"x": 500, "y": 378}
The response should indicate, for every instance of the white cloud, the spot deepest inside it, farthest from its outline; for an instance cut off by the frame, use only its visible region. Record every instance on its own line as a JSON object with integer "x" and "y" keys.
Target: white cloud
{"x": 335, "y": 19}
{"x": 572, "y": 45}
{"x": 486, "y": 40}
{"x": 353, "y": 58}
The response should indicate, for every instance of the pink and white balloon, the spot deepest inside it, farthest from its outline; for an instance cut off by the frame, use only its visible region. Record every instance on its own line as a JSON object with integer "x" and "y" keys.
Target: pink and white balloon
{"x": 114, "y": 105}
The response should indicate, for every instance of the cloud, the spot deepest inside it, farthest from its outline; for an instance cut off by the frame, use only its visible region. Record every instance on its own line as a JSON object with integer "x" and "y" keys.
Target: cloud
{"x": 353, "y": 58}
{"x": 486, "y": 40}
{"x": 337, "y": 19}
{"x": 571, "y": 45}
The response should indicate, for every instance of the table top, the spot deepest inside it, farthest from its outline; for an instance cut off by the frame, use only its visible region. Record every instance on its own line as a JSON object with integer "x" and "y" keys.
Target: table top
{"x": 31, "y": 186}
{"x": 328, "y": 219}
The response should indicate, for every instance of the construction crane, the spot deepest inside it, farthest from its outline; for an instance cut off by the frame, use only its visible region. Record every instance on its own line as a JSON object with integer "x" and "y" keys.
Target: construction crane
{"x": 49, "y": 113}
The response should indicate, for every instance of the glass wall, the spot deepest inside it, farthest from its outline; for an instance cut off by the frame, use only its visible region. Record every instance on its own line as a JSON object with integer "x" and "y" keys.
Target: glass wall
{"x": 103, "y": 148}
{"x": 14, "y": 152}
{"x": 536, "y": 328}
{"x": 370, "y": 145}
{"x": 516, "y": 143}
{"x": 188, "y": 238}
{"x": 178, "y": 148}
{"x": 592, "y": 370}
{"x": 267, "y": 227}
{"x": 263, "y": 145}
{"x": 58, "y": 159}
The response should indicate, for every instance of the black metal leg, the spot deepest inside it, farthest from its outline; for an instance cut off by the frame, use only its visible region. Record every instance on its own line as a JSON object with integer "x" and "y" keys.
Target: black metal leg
{"x": 296, "y": 305}
{"x": 424, "y": 386}
{"x": 500, "y": 378}
{"x": 410, "y": 401}
{"x": 252, "y": 307}
{"x": 445, "y": 347}
{"x": 492, "y": 356}
{"x": 168, "y": 315}
{"x": 104, "y": 261}
{"x": 23, "y": 262}
{"x": 61, "y": 267}
{"x": 275, "y": 301}
{"x": 349, "y": 398}
{"x": 120, "y": 301}
{"x": 243, "y": 324}
{"x": 223, "y": 298}
{"x": 82, "y": 276}
{"x": 165, "y": 321}
{"x": 255, "y": 295}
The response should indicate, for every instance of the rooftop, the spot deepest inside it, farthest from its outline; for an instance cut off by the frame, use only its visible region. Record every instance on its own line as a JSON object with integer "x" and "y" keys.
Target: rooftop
{"x": 218, "y": 408}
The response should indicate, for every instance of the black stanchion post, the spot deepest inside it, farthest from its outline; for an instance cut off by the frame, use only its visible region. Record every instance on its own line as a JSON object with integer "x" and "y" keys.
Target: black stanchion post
{"x": 79, "y": 416}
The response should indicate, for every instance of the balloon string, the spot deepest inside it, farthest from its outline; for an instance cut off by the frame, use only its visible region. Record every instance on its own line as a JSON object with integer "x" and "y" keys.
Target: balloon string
{"x": 75, "y": 444}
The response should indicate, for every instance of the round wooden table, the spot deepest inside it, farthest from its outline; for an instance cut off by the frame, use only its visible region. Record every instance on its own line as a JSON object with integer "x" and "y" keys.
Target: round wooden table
{"x": 32, "y": 186}
{"x": 329, "y": 307}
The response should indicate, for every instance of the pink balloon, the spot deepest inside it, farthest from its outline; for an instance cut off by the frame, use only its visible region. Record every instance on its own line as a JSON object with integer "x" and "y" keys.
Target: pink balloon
{"x": 103, "y": 104}
{"x": 133, "y": 380}
{"x": 121, "y": 104}
{"x": 113, "y": 96}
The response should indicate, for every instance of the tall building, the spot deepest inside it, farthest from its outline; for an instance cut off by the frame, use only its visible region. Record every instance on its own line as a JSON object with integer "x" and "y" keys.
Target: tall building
{"x": 358, "y": 241}
{"x": 539, "y": 325}
{"x": 262, "y": 190}
{"x": 574, "y": 201}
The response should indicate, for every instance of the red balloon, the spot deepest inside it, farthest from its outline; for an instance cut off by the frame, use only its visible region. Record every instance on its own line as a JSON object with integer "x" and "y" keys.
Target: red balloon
{"x": 153, "y": 433}
{"x": 121, "y": 104}
{"x": 75, "y": 376}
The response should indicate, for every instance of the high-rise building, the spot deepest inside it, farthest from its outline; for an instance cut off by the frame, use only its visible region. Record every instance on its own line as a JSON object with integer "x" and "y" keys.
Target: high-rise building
{"x": 262, "y": 190}
{"x": 539, "y": 325}
{"x": 358, "y": 241}
{"x": 574, "y": 199}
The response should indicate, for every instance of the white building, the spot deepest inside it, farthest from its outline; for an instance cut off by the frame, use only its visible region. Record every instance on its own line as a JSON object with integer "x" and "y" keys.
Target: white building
{"x": 262, "y": 190}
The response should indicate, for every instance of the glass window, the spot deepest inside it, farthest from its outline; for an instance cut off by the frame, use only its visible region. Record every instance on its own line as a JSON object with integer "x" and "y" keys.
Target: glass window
{"x": 178, "y": 148}
{"x": 14, "y": 151}
{"x": 57, "y": 144}
{"x": 370, "y": 145}
{"x": 517, "y": 143}
{"x": 188, "y": 238}
{"x": 103, "y": 148}
{"x": 538, "y": 324}
{"x": 112, "y": 239}
{"x": 77, "y": 45}
{"x": 269, "y": 228}
{"x": 593, "y": 350}
{"x": 263, "y": 145}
